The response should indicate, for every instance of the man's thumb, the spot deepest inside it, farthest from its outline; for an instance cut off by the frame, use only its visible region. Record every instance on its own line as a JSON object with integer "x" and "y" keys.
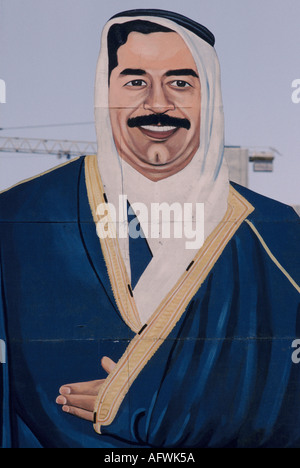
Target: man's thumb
{"x": 107, "y": 364}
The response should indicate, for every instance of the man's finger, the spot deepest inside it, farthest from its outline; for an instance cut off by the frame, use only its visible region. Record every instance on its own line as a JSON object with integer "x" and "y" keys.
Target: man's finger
{"x": 81, "y": 388}
{"x": 85, "y": 402}
{"x": 108, "y": 364}
{"x": 80, "y": 413}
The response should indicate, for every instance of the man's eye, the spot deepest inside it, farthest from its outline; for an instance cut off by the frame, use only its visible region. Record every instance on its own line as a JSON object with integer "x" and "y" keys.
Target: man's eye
{"x": 136, "y": 83}
{"x": 180, "y": 84}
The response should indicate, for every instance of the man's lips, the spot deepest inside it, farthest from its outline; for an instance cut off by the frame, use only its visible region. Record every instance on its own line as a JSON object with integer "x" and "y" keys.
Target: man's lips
{"x": 158, "y": 127}
{"x": 158, "y": 132}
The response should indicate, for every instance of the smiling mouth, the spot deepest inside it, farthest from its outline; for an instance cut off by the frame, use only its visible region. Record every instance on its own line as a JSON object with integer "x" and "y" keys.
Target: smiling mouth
{"x": 158, "y": 132}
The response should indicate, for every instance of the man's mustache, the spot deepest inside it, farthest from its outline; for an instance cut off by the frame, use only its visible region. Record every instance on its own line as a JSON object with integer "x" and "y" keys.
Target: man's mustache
{"x": 159, "y": 119}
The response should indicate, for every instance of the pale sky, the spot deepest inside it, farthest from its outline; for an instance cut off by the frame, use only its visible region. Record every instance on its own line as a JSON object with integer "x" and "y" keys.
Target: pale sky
{"x": 49, "y": 50}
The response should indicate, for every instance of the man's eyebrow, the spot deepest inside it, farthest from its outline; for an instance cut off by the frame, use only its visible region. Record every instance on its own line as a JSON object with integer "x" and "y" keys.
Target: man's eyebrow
{"x": 133, "y": 71}
{"x": 182, "y": 72}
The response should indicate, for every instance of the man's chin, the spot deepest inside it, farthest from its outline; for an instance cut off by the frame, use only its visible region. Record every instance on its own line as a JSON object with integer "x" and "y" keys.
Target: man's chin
{"x": 159, "y": 156}
{"x": 158, "y": 160}
{"x": 156, "y": 169}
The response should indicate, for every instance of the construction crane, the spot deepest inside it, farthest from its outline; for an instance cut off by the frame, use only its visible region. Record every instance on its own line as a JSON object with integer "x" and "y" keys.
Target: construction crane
{"x": 236, "y": 156}
{"x": 59, "y": 148}
{"x": 70, "y": 149}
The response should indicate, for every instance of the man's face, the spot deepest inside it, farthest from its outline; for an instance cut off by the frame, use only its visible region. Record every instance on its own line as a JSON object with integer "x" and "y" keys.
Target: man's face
{"x": 155, "y": 103}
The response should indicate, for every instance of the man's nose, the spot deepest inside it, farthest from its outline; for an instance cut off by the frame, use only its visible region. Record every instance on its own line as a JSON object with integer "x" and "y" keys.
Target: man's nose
{"x": 157, "y": 100}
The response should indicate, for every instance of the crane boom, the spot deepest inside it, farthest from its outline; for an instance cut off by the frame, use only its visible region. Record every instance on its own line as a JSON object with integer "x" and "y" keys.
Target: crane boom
{"x": 68, "y": 149}
{"x": 237, "y": 157}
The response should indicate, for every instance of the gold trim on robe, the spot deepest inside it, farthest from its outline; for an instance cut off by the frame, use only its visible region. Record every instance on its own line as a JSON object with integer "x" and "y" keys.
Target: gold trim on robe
{"x": 148, "y": 340}
{"x": 117, "y": 272}
{"x": 272, "y": 257}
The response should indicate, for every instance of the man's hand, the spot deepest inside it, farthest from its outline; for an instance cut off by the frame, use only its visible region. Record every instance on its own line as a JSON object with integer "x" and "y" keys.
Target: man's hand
{"x": 79, "y": 399}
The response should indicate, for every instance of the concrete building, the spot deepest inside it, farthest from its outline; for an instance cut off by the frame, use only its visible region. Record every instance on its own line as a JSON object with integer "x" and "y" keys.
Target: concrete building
{"x": 238, "y": 164}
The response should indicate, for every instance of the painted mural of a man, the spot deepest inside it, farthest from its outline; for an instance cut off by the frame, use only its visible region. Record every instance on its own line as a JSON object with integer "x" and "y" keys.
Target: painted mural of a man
{"x": 196, "y": 341}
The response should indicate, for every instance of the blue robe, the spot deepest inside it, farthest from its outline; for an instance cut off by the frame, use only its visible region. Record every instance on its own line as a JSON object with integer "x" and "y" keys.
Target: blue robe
{"x": 222, "y": 374}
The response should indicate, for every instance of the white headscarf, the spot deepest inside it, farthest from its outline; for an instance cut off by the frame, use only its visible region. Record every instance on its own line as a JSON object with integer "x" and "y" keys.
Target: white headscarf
{"x": 203, "y": 180}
